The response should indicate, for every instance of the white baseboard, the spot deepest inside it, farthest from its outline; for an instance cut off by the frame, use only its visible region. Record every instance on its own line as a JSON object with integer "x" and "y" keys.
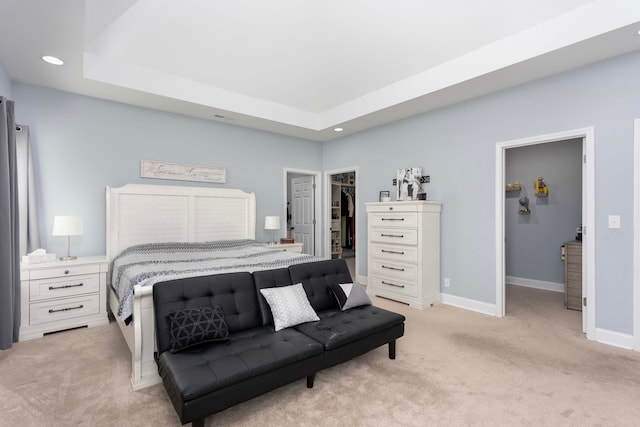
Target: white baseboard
{"x": 469, "y": 304}
{"x": 536, "y": 284}
{"x": 614, "y": 338}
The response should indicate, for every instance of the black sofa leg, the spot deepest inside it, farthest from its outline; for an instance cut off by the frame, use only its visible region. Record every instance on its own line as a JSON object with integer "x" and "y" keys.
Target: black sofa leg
{"x": 392, "y": 349}
{"x": 198, "y": 423}
{"x": 310, "y": 380}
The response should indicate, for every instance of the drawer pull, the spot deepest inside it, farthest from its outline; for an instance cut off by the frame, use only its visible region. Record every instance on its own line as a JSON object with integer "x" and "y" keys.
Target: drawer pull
{"x": 392, "y": 252}
{"x": 392, "y": 284}
{"x": 392, "y": 219}
{"x": 66, "y": 309}
{"x": 66, "y": 272}
{"x": 51, "y": 288}
{"x": 392, "y": 268}
{"x": 392, "y": 235}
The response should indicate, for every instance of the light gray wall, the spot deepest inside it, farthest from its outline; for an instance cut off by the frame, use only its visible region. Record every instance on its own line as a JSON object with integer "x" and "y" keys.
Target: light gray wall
{"x": 5, "y": 83}
{"x": 456, "y": 147}
{"x": 532, "y": 242}
{"x": 83, "y": 144}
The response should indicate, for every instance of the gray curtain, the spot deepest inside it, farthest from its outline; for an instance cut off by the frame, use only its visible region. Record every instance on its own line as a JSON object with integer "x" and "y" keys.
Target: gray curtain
{"x": 27, "y": 208}
{"x": 9, "y": 229}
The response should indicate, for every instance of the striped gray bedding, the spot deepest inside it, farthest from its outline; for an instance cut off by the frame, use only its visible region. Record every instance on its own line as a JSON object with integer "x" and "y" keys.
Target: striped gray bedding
{"x": 152, "y": 263}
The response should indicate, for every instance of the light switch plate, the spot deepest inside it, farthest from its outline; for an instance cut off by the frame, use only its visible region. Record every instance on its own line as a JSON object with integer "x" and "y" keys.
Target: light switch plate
{"x": 614, "y": 221}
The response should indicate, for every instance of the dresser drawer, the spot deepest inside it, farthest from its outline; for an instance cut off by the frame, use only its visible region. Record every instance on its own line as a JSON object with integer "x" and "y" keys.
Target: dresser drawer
{"x": 63, "y": 271}
{"x": 394, "y": 269}
{"x": 390, "y": 235}
{"x": 393, "y": 219}
{"x": 396, "y": 253}
{"x": 43, "y": 312}
{"x": 63, "y": 287}
{"x": 400, "y": 287}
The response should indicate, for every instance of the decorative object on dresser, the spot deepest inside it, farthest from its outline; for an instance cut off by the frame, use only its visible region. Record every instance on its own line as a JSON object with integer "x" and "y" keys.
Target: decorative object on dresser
{"x": 404, "y": 251}
{"x": 272, "y": 223}
{"x": 67, "y": 226}
{"x": 61, "y": 295}
{"x": 571, "y": 254}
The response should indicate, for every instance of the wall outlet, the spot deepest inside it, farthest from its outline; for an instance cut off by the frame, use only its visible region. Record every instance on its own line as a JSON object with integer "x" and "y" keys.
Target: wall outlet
{"x": 447, "y": 282}
{"x": 614, "y": 221}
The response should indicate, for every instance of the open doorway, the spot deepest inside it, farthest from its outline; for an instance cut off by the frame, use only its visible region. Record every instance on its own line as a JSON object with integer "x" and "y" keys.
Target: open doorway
{"x": 302, "y": 206}
{"x": 588, "y": 212}
{"x": 341, "y": 216}
{"x": 543, "y": 238}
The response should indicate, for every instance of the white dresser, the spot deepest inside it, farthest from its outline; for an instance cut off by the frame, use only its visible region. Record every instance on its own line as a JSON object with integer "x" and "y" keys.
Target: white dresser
{"x": 404, "y": 251}
{"x": 61, "y": 295}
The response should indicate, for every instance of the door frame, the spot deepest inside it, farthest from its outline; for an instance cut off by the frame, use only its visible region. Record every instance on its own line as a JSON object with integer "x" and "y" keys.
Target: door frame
{"x": 317, "y": 202}
{"x": 588, "y": 218}
{"x": 327, "y": 210}
{"x": 636, "y": 236}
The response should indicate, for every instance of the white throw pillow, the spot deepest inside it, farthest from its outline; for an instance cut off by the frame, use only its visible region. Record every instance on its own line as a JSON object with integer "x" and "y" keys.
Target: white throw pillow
{"x": 289, "y": 306}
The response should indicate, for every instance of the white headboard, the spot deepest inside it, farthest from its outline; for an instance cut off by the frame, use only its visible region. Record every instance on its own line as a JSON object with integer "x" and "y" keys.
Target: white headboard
{"x": 138, "y": 213}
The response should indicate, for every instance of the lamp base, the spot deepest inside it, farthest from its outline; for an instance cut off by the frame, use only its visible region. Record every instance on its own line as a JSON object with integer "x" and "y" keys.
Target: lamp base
{"x": 68, "y": 258}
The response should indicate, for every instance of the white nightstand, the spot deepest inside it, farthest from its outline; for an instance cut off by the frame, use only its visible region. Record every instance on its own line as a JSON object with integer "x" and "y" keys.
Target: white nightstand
{"x": 62, "y": 294}
{"x": 289, "y": 247}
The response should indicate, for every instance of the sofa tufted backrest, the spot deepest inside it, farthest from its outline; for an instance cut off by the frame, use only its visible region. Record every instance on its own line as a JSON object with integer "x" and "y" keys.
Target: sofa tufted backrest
{"x": 317, "y": 278}
{"x": 235, "y": 292}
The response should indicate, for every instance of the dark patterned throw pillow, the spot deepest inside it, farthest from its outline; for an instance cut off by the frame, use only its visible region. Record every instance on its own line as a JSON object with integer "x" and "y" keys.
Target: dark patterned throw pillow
{"x": 193, "y": 326}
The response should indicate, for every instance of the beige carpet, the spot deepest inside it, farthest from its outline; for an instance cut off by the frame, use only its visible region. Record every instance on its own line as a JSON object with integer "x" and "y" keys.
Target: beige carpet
{"x": 453, "y": 368}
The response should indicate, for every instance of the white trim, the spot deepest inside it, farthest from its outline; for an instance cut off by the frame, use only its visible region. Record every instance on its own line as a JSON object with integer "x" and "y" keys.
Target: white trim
{"x": 535, "y": 284}
{"x": 468, "y": 304}
{"x": 327, "y": 212}
{"x": 636, "y": 236}
{"x": 614, "y": 338}
{"x": 588, "y": 218}
{"x": 318, "y": 232}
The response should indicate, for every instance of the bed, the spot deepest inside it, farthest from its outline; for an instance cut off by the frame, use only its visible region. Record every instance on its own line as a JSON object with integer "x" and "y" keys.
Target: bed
{"x": 180, "y": 232}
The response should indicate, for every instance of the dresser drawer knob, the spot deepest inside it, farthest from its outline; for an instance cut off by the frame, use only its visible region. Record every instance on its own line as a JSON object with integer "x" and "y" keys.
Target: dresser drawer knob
{"x": 66, "y": 272}
{"x": 392, "y": 219}
{"x": 51, "y": 288}
{"x": 392, "y": 268}
{"x": 392, "y": 284}
{"x": 392, "y": 235}
{"x": 66, "y": 309}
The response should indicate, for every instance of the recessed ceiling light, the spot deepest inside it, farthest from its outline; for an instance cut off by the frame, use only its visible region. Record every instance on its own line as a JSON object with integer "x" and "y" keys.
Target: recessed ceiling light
{"x": 338, "y": 129}
{"x": 52, "y": 60}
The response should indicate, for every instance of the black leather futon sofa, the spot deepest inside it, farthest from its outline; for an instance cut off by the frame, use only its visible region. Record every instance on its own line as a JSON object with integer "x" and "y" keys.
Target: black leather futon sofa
{"x": 250, "y": 358}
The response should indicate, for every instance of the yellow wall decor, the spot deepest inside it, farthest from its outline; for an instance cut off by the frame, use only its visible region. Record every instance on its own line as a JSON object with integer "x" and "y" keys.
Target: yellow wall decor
{"x": 540, "y": 187}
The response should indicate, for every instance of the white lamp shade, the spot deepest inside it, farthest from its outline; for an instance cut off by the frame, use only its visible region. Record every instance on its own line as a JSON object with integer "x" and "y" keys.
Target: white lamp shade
{"x": 272, "y": 223}
{"x": 67, "y": 226}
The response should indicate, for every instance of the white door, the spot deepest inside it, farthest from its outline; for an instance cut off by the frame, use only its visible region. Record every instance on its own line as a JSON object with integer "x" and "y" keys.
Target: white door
{"x": 302, "y": 212}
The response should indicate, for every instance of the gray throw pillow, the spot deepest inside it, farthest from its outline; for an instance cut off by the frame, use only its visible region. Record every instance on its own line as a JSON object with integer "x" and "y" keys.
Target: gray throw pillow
{"x": 289, "y": 306}
{"x": 350, "y": 295}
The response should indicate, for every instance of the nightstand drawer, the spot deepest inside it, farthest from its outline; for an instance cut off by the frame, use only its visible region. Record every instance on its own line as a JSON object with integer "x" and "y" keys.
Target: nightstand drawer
{"x": 62, "y": 271}
{"x": 63, "y": 287}
{"x": 48, "y": 311}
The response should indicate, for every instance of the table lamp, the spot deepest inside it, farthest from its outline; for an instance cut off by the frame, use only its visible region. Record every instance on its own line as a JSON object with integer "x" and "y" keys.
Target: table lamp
{"x": 67, "y": 226}
{"x": 272, "y": 223}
